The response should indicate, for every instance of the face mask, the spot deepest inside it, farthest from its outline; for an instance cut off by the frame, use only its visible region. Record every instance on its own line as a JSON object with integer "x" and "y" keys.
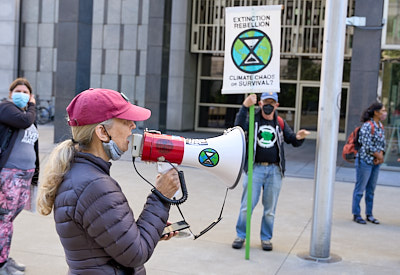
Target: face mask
{"x": 268, "y": 109}
{"x": 384, "y": 116}
{"x": 111, "y": 148}
{"x": 20, "y": 99}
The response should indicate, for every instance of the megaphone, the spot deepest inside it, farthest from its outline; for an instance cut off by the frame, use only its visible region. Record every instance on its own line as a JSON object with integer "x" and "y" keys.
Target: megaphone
{"x": 222, "y": 156}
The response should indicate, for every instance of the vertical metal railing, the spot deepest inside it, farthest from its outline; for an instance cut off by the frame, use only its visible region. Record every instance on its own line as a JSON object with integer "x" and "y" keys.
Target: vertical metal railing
{"x": 302, "y": 25}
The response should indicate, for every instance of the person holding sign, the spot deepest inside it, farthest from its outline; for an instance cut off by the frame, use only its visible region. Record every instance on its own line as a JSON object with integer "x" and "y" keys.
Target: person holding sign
{"x": 269, "y": 162}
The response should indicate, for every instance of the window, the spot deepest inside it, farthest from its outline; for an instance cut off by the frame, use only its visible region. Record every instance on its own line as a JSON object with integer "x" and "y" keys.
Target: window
{"x": 288, "y": 68}
{"x": 310, "y": 69}
{"x": 391, "y": 30}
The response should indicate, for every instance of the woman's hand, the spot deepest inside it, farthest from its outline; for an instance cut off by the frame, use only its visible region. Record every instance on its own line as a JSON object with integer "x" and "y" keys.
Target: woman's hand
{"x": 170, "y": 234}
{"x": 378, "y": 157}
{"x": 168, "y": 183}
{"x": 32, "y": 99}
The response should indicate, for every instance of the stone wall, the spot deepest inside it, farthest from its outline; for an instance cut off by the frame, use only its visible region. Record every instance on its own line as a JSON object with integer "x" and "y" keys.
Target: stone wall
{"x": 130, "y": 53}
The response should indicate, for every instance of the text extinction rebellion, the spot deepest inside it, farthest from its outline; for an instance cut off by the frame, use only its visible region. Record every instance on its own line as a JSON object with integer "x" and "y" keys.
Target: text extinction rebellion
{"x": 251, "y": 21}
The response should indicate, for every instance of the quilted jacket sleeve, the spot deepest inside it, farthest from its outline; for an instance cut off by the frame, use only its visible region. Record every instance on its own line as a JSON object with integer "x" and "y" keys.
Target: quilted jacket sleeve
{"x": 241, "y": 118}
{"x": 15, "y": 117}
{"x": 108, "y": 219}
{"x": 290, "y": 136}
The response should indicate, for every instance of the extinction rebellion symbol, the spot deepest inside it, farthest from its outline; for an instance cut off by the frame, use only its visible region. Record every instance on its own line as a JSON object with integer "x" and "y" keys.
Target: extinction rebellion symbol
{"x": 251, "y": 51}
{"x": 208, "y": 157}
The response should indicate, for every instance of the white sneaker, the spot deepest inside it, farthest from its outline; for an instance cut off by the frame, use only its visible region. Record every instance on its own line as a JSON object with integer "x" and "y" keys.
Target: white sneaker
{"x": 7, "y": 269}
{"x": 18, "y": 266}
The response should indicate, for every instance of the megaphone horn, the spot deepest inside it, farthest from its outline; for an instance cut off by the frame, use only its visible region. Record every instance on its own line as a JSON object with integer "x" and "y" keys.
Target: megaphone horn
{"x": 223, "y": 156}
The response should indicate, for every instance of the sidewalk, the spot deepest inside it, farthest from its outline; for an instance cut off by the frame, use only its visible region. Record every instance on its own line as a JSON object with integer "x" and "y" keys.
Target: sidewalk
{"x": 363, "y": 249}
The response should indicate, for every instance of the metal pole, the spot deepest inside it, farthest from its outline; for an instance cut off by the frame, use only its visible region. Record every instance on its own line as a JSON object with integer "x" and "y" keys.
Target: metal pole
{"x": 328, "y": 126}
{"x": 249, "y": 180}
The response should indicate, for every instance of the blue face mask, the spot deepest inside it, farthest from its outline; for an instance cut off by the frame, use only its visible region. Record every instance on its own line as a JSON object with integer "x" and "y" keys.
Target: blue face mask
{"x": 20, "y": 99}
{"x": 111, "y": 148}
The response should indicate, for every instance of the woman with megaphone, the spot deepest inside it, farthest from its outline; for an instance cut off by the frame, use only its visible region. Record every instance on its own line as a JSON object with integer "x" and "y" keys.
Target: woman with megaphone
{"x": 93, "y": 219}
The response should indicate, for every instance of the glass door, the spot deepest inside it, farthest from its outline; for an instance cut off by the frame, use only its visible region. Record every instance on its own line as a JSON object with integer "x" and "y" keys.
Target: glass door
{"x": 391, "y": 99}
{"x": 309, "y": 94}
{"x": 309, "y": 109}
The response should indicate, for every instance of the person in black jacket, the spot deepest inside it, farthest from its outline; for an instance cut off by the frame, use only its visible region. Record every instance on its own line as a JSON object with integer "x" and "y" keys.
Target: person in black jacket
{"x": 96, "y": 226}
{"x": 18, "y": 163}
{"x": 270, "y": 132}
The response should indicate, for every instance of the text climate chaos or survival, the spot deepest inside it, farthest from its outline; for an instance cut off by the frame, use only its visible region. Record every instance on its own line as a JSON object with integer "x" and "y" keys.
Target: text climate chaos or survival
{"x": 252, "y": 80}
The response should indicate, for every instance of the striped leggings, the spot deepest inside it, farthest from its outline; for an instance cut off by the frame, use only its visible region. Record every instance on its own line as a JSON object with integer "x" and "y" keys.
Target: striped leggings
{"x": 14, "y": 192}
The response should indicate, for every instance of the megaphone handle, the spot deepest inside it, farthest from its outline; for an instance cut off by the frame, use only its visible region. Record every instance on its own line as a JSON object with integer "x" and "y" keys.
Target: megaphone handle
{"x": 174, "y": 201}
{"x": 164, "y": 167}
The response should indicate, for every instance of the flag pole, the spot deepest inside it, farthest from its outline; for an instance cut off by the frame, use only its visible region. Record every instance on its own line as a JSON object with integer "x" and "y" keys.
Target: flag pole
{"x": 249, "y": 179}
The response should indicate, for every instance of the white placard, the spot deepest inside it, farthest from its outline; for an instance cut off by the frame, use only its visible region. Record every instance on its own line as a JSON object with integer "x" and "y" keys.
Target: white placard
{"x": 252, "y": 49}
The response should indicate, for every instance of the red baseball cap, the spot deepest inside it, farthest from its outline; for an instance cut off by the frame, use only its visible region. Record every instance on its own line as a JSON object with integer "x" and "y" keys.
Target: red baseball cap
{"x": 98, "y": 105}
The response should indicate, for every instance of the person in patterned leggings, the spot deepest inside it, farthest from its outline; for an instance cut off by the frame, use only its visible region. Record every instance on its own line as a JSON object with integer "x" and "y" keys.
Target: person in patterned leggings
{"x": 18, "y": 163}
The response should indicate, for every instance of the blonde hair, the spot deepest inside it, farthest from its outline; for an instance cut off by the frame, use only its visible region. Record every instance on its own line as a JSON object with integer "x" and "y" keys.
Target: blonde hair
{"x": 59, "y": 163}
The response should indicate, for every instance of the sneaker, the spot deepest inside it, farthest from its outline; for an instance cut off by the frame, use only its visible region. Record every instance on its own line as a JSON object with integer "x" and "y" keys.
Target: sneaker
{"x": 16, "y": 265}
{"x": 266, "y": 245}
{"x": 7, "y": 269}
{"x": 371, "y": 218}
{"x": 238, "y": 243}
{"x": 358, "y": 219}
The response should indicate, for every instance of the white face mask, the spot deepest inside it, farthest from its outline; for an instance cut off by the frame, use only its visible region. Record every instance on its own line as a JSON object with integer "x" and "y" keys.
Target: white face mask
{"x": 111, "y": 148}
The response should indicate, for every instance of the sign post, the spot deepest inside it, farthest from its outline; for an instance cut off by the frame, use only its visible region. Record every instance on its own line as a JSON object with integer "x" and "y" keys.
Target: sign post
{"x": 251, "y": 65}
{"x": 328, "y": 126}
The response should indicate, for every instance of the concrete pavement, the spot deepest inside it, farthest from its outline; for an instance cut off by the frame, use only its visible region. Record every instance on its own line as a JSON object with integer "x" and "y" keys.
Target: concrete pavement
{"x": 363, "y": 249}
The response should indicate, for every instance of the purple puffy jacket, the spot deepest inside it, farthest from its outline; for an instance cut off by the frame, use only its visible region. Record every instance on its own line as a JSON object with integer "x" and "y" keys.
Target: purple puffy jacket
{"x": 97, "y": 227}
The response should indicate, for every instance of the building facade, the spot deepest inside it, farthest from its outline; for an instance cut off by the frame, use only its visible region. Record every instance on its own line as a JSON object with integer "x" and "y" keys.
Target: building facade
{"x": 168, "y": 55}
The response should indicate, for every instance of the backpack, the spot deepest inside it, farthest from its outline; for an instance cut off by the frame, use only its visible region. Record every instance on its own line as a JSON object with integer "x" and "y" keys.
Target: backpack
{"x": 352, "y": 145}
{"x": 281, "y": 123}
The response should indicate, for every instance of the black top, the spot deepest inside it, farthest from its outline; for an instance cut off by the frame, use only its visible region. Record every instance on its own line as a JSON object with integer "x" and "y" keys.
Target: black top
{"x": 267, "y": 142}
{"x": 11, "y": 118}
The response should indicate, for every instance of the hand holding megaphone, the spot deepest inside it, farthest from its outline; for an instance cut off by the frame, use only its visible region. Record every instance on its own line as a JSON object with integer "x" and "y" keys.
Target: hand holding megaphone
{"x": 168, "y": 183}
{"x": 149, "y": 148}
{"x": 221, "y": 156}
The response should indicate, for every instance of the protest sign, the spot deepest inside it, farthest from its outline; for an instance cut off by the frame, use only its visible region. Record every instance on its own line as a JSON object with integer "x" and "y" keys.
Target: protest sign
{"x": 252, "y": 49}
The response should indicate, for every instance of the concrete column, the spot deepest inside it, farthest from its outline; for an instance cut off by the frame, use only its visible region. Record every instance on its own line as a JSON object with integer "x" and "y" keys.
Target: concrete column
{"x": 9, "y": 44}
{"x": 157, "y": 63}
{"x": 73, "y": 58}
{"x": 365, "y": 61}
{"x": 182, "y": 70}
